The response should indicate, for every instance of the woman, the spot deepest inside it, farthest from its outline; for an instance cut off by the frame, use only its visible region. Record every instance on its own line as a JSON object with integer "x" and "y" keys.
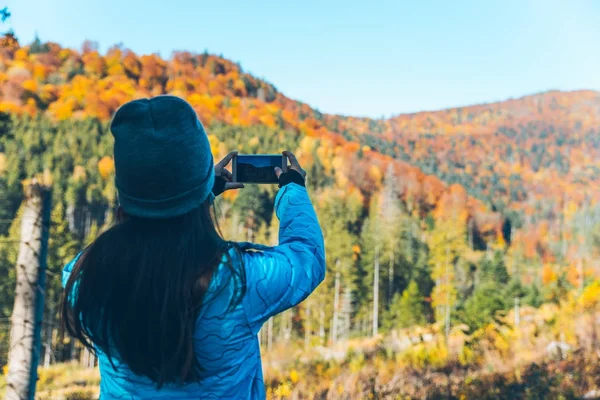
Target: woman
{"x": 171, "y": 309}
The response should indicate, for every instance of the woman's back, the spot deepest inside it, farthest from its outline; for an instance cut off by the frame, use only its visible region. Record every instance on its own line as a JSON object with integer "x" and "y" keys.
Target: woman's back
{"x": 224, "y": 345}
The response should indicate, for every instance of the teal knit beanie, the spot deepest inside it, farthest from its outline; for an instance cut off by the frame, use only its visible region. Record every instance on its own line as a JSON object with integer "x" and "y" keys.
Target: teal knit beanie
{"x": 163, "y": 162}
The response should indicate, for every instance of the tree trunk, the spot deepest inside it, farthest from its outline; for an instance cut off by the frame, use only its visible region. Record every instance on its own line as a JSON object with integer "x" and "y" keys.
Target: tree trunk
{"x": 307, "y": 328}
{"x": 71, "y": 349}
{"x": 26, "y": 320}
{"x": 336, "y": 305}
{"x": 281, "y": 336}
{"x": 70, "y": 215}
{"x": 346, "y": 311}
{"x": 376, "y": 293}
{"x": 322, "y": 324}
{"x": 288, "y": 325}
{"x": 270, "y": 334}
{"x": 87, "y": 222}
{"x": 48, "y": 342}
{"x": 85, "y": 358}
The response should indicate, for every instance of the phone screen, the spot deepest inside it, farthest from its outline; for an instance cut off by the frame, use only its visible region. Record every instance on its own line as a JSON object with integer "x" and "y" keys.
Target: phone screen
{"x": 257, "y": 168}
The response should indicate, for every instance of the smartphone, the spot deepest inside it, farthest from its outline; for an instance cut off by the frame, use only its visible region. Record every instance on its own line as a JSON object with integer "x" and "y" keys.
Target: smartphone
{"x": 259, "y": 168}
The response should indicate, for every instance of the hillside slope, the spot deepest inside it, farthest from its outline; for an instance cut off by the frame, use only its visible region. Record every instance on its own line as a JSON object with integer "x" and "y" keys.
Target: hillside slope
{"x": 65, "y": 84}
{"x": 536, "y": 158}
{"x": 550, "y": 140}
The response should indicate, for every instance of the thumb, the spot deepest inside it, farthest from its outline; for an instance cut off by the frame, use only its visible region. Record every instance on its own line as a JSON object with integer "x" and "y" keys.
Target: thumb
{"x": 278, "y": 172}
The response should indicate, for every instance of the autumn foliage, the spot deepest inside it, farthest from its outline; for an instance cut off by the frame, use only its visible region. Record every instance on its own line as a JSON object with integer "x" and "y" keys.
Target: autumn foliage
{"x": 462, "y": 212}
{"x": 64, "y": 84}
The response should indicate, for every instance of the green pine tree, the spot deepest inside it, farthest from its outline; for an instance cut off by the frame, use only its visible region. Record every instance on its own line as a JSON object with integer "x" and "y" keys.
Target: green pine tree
{"x": 494, "y": 270}
{"x": 483, "y": 306}
{"x": 534, "y": 296}
{"x": 406, "y": 310}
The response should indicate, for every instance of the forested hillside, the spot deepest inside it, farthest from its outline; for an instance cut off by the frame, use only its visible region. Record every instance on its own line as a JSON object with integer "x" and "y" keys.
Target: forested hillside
{"x": 450, "y": 216}
{"x": 535, "y": 159}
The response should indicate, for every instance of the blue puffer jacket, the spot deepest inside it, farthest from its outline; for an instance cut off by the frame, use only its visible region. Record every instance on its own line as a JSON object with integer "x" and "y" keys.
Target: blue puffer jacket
{"x": 277, "y": 278}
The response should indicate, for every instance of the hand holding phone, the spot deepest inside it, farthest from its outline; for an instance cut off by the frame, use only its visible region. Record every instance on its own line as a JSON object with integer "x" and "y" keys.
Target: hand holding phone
{"x": 294, "y": 165}
{"x": 259, "y": 168}
{"x": 223, "y": 178}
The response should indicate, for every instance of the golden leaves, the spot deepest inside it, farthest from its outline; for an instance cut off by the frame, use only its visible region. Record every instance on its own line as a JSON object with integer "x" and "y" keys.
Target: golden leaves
{"x": 590, "y": 298}
{"x": 106, "y": 166}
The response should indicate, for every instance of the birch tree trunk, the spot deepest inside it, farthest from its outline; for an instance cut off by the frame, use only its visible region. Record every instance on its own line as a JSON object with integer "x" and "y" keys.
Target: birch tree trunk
{"x": 336, "y": 306}
{"x": 307, "y": 328}
{"x": 48, "y": 343}
{"x": 288, "y": 325}
{"x": 322, "y": 324}
{"x": 346, "y": 311}
{"x": 270, "y": 334}
{"x": 26, "y": 320}
{"x": 85, "y": 358}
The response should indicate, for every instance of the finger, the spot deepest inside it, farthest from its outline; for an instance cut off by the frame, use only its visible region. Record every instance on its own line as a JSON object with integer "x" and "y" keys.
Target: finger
{"x": 278, "y": 172}
{"x": 227, "y": 175}
{"x": 292, "y": 159}
{"x": 227, "y": 159}
{"x": 233, "y": 185}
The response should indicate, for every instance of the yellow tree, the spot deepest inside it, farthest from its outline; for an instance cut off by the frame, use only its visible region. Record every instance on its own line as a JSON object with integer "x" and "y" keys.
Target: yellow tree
{"x": 447, "y": 244}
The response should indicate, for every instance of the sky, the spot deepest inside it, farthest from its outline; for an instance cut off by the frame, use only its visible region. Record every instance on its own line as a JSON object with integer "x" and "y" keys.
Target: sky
{"x": 363, "y": 58}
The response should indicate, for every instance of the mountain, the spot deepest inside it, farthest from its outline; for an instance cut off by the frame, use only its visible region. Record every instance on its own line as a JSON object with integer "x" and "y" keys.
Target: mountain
{"x": 64, "y": 84}
{"x": 529, "y": 159}
{"x": 536, "y": 158}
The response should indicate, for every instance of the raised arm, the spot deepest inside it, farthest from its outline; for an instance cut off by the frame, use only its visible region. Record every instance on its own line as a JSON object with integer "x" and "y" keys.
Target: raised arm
{"x": 281, "y": 277}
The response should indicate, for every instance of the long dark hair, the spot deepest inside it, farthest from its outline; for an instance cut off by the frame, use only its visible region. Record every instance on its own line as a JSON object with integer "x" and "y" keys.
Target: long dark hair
{"x": 137, "y": 290}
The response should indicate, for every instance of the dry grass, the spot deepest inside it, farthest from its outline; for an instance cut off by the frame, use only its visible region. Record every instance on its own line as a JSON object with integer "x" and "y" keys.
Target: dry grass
{"x": 63, "y": 382}
{"x": 68, "y": 394}
{"x": 67, "y": 382}
{"x": 499, "y": 358}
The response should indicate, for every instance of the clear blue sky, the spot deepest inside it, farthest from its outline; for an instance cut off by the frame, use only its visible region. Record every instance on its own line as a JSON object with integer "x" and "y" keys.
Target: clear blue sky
{"x": 368, "y": 58}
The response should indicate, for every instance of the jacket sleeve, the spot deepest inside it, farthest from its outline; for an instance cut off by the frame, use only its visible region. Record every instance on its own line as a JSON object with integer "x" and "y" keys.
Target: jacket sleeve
{"x": 280, "y": 277}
